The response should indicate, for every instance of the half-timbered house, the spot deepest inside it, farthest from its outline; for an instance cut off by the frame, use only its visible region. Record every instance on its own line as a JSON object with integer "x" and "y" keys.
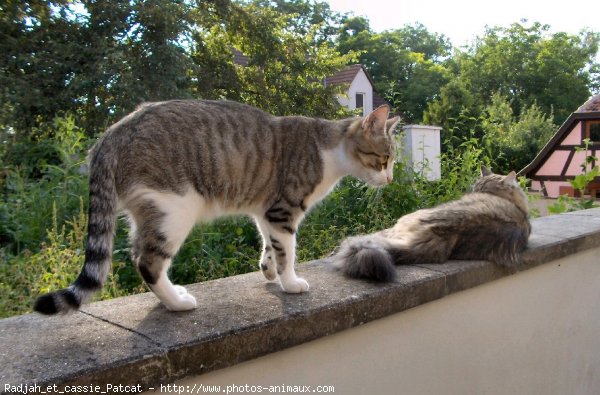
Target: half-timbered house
{"x": 561, "y": 159}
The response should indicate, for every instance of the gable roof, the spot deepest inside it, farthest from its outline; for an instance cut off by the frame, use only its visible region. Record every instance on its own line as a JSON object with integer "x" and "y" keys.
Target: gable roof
{"x": 591, "y": 105}
{"x": 347, "y": 75}
{"x": 589, "y": 110}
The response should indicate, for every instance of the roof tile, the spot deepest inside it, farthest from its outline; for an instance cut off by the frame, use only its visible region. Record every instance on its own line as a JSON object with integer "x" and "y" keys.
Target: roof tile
{"x": 591, "y": 105}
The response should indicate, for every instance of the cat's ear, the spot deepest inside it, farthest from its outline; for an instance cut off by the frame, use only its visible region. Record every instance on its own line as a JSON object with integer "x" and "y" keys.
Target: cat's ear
{"x": 375, "y": 122}
{"x": 390, "y": 125}
{"x": 485, "y": 171}
{"x": 511, "y": 178}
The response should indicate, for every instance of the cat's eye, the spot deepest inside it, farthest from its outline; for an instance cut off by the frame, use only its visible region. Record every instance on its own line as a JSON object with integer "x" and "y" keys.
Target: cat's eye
{"x": 384, "y": 162}
{"x": 377, "y": 162}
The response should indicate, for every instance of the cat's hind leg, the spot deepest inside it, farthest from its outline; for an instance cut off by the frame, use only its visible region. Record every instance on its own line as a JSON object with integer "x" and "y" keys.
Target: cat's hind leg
{"x": 160, "y": 227}
{"x": 267, "y": 263}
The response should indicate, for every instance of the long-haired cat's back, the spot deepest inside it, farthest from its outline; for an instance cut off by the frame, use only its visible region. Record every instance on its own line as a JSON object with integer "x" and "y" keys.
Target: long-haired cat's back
{"x": 491, "y": 223}
{"x": 172, "y": 164}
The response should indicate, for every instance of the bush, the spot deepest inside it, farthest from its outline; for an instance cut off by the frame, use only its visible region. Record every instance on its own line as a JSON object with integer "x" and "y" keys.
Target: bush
{"x": 515, "y": 141}
{"x": 31, "y": 189}
{"x": 55, "y": 265}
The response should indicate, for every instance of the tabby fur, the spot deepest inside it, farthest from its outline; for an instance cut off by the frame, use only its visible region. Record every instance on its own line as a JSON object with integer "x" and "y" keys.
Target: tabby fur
{"x": 170, "y": 165}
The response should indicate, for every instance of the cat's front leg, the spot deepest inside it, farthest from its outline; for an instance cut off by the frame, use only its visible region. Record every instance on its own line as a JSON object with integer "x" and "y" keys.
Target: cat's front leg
{"x": 284, "y": 248}
{"x": 279, "y": 231}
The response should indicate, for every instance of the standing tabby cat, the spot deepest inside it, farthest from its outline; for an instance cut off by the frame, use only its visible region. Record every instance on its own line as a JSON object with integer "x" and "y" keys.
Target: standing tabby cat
{"x": 491, "y": 223}
{"x": 172, "y": 164}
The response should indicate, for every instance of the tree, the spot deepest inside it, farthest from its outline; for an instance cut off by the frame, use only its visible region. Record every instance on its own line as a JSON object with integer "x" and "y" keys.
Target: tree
{"x": 94, "y": 59}
{"x": 406, "y": 64}
{"x": 286, "y": 66}
{"x": 304, "y": 17}
{"x": 515, "y": 141}
{"x": 512, "y": 87}
{"x": 41, "y": 52}
{"x": 455, "y": 101}
{"x": 527, "y": 65}
{"x": 98, "y": 60}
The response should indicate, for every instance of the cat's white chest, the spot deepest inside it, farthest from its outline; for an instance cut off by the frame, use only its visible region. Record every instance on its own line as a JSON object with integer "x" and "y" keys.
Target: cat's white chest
{"x": 331, "y": 176}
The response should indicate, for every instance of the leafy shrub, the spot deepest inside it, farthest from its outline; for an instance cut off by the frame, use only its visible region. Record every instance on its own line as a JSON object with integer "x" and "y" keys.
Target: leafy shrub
{"x": 515, "y": 141}
{"x": 54, "y": 266}
{"x": 28, "y": 201}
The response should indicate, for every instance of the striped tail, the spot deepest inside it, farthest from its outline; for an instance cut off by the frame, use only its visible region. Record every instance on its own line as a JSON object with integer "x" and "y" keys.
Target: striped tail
{"x": 365, "y": 257}
{"x": 98, "y": 253}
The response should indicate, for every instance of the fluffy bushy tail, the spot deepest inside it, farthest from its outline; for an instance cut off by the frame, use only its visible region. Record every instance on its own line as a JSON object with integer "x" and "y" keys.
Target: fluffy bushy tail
{"x": 365, "y": 257}
{"x": 98, "y": 253}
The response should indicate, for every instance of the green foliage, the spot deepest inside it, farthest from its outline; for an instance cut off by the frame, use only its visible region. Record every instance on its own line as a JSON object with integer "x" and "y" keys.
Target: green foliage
{"x": 511, "y": 142}
{"x": 532, "y": 199}
{"x": 515, "y": 141}
{"x": 406, "y": 64}
{"x": 529, "y": 66}
{"x": 100, "y": 60}
{"x": 225, "y": 248}
{"x": 286, "y": 62}
{"x": 588, "y": 170}
{"x": 32, "y": 187}
{"x": 461, "y": 165}
{"x": 55, "y": 265}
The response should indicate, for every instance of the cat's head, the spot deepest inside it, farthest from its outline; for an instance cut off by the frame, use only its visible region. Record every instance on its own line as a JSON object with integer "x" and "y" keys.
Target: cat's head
{"x": 371, "y": 147}
{"x": 504, "y": 186}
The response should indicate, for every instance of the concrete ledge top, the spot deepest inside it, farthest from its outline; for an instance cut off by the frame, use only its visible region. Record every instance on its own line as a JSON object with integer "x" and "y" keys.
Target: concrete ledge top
{"x": 134, "y": 341}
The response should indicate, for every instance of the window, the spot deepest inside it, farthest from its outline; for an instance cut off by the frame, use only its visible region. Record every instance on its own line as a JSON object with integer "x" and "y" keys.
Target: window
{"x": 594, "y": 131}
{"x": 360, "y": 100}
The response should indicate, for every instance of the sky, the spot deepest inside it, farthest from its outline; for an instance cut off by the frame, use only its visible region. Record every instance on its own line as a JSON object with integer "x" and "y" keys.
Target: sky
{"x": 463, "y": 20}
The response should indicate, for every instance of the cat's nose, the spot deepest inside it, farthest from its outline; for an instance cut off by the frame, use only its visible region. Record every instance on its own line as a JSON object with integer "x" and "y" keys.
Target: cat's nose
{"x": 389, "y": 179}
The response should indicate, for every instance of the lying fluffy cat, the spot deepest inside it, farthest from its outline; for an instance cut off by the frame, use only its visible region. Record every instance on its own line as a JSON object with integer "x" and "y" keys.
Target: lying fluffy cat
{"x": 491, "y": 223}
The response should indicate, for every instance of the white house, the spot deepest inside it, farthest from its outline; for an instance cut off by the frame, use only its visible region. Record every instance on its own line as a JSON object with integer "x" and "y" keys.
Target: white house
{"x": 361, "y": 89}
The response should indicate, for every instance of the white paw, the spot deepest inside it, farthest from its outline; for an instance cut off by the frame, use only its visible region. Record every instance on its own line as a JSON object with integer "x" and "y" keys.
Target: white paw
{"x": 180, "y": 289}
{"x": 183, "y": 302}
{"x": 295, "y": 285}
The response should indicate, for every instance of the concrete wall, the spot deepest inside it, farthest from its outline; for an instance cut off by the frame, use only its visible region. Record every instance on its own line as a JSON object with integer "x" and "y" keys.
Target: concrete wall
{"x": 537, "y": 332}
{"x": 461, "y": 327}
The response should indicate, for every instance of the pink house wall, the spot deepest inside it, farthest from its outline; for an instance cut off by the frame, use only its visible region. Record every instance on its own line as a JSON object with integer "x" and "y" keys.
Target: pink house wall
{"x": 553, "y": 187}
{"x": 573, "y": 138}
{"x": 575, "y": 166}
{"x": 555, "y": 163}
